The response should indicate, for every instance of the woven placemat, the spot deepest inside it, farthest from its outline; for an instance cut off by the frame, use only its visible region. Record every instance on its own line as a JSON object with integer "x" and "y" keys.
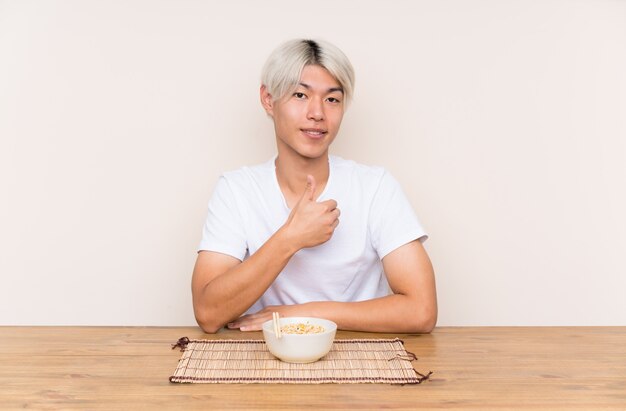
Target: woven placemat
{"x": 249, "y": 361}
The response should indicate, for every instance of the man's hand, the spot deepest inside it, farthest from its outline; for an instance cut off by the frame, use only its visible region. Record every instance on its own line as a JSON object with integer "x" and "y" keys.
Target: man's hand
{"x": 254, "y": 322}
{"x": 311, "y": 223}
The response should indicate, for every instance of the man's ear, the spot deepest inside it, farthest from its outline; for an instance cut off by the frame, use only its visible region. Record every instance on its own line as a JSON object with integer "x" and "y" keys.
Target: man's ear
{"x": 267, "y": 101}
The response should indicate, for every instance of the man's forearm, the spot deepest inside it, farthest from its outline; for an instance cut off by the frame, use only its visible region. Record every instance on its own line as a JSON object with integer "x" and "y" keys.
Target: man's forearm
{"x": 392, "y": 313}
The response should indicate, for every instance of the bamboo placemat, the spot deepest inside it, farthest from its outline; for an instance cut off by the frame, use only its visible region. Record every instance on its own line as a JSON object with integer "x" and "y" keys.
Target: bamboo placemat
{"x": 249, "y": 361}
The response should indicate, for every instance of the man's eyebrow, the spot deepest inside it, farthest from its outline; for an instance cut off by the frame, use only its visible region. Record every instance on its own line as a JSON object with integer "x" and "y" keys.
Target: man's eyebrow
{"x": 330, "y": 90}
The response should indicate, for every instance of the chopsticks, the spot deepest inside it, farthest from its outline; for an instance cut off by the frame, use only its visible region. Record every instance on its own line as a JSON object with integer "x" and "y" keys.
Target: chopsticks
{"x": 276, "y": 322}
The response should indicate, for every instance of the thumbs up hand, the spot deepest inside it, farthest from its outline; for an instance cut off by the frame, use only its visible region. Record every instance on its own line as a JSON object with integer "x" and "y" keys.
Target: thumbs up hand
{"x": 311, "y": 223}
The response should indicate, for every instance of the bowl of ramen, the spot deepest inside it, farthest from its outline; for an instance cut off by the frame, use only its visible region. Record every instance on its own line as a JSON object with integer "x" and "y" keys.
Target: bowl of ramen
{"x": 302, "y": 340}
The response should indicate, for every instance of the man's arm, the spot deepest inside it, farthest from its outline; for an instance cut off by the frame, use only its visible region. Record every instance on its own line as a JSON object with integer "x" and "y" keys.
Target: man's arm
{"x": 412, "y": 307}
{"x": 223, "y": 287}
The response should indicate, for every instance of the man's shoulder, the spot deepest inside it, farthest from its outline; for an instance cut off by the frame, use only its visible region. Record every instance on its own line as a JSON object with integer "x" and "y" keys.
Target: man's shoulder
{"x": 371, "y": 173}
{"x": 247, "y": 174}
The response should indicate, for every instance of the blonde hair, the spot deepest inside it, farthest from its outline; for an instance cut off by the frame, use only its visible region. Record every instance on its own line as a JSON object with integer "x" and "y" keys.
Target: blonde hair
{"x": 283, "y": 68}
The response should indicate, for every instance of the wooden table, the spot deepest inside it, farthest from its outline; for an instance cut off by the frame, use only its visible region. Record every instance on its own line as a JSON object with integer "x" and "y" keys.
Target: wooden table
{"x": 474, "y": 368}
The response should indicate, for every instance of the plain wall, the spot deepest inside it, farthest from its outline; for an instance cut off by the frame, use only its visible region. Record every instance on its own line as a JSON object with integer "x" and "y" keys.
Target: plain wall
{"x": 503, "y": 120}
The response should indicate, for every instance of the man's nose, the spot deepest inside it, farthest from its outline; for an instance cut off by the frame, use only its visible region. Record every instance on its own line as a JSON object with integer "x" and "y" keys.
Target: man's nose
{"x": 315, "y": 110}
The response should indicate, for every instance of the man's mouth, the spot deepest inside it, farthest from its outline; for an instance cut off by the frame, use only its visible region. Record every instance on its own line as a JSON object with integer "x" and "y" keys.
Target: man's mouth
{"x": 314, "y": 132}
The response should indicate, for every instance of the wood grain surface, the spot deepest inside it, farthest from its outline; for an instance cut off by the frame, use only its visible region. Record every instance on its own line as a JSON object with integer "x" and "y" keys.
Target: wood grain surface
{"x": 478, "y": 368}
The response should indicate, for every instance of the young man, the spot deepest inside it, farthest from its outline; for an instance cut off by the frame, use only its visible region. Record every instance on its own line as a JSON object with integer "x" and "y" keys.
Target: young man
{"x": 306, "y": 233}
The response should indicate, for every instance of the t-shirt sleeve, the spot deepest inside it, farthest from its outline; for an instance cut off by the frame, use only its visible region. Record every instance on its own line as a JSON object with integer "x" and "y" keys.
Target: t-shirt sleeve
{"x": 393, "y": 222}
{"x": 223, "y": 229}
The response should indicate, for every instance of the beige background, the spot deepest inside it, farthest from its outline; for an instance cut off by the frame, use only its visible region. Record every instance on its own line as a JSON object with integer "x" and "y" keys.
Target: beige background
{"x": 503, "y": 120}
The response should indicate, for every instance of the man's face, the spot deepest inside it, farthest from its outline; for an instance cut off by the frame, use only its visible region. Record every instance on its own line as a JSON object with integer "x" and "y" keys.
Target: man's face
{"x": 307, "y": 121}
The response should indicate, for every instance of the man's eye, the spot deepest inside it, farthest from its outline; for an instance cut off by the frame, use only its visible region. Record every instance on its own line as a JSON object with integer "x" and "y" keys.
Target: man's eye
{"x": 299, "y": 95}
{"x": 333, "y": 100}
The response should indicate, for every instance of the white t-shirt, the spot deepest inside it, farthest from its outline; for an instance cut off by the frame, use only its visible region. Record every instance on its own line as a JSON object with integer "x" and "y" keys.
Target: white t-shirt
{"x": 247, "y": 207}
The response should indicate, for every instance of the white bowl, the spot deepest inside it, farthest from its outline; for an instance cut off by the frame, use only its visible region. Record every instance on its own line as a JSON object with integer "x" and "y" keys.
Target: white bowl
{"x": 300, "y": 348}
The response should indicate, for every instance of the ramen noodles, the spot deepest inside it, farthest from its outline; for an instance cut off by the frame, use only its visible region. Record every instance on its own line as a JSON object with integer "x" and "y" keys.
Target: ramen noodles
{"x": 301, "y": 328}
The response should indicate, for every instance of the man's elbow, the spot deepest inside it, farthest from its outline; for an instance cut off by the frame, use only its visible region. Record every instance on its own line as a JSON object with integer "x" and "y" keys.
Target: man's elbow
{"x": 208, "y": 323}
{"x": 425, "y": 321}
{"x": 209, "y": 328}
{"x": 428, "y": 325}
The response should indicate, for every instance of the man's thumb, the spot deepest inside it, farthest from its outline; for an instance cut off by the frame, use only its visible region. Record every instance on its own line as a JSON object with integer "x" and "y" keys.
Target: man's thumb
{"x": 309, "y": 192}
